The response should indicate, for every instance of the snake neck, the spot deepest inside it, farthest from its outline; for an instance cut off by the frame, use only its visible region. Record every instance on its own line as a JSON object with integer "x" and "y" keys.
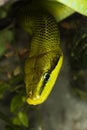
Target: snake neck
{"x": 43, "y": 28}
{"x": 38, "y": 22}
{"x": 45, "y": 35}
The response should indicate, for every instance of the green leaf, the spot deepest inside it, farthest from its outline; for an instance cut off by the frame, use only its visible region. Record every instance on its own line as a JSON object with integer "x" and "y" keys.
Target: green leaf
{"x": 64, "y": 8}
{"x": 6, "y": 36}
{"x": 2, "y": 49}
{"x": 3, "y": 87}
{"x": 2, "y": 44}
{"x": 77, "y": 5}
{"x": 2, "y": 13}
{"x": 16, "y": 103}
{"x": 23, "y": 118}
{"x": 16, "y": 121}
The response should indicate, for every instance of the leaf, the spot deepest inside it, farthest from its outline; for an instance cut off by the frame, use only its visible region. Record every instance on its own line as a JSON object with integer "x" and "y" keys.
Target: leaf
{"x": 23, "y": 118}
{"x": 2, "y": 45}
{"x": 3, "y": 88}
{"x": 16, "y": 121}
{"x": 77, "y": 5}
{"x": 2, "y": 13}
{"x": 6, "y": 36}
{"x": 64, "y": 8}
{"x": 16, "y": 103}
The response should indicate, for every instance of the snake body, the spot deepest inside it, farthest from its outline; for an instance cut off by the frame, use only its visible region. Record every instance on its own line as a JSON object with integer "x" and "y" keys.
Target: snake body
{"x": 45, "y": 57}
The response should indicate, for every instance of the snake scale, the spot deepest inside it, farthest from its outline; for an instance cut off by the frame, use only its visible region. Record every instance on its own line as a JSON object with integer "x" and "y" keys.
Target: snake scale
{"x": 45, "y": 57}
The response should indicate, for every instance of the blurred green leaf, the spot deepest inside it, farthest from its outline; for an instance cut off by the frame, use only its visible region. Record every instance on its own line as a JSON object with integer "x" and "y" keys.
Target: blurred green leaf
{"x": 3, "y": 87}
{"x": 2, "y": 44}
{"x": 23, "y": 118}
{"x": 16, "y": 121}
{"x": 6, "y": 36}
{"x": 77, "y": 5}
{"x": 64, "y": 8}
{"x": 2, "y": 13}
{"x": 17, "y": 102}
{"x": 2, "y": 49}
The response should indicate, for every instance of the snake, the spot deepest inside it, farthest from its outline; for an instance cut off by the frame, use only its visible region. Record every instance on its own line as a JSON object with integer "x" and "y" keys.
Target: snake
{"x": 45, "y": 56}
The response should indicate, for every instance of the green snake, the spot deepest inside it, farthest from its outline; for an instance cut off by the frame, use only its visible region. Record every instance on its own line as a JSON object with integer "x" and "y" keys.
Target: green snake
{"x": 45, "y": 57}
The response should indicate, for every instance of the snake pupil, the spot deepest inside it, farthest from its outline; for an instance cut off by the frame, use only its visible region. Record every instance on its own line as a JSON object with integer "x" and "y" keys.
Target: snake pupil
{"x": 46, "y": 76}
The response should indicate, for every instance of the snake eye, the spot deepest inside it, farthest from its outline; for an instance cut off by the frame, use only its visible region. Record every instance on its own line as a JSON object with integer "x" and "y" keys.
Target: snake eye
{"x": 46, "y": 76}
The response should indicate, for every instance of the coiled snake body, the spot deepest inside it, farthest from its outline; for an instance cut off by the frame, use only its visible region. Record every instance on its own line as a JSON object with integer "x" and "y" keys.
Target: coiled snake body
{"x": 45, "y": 56}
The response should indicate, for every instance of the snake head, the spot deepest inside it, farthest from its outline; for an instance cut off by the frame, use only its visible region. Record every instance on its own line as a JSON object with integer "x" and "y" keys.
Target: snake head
{"x": 41, "y": 74}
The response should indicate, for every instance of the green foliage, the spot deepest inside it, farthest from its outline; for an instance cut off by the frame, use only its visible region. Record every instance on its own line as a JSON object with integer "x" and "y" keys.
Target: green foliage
{"x": 3, "y": 87}
{"x": 64, "y": 8}
{"x": 2, "y": 45}
{"x": 21, "y": 119}
{"x": 6, "y": 37}
{"x": 77, "y": 5}
{"x": 2, "y": 13}
{"x": 17, "y": 102}
{"x": 18, "y": 108}
{"x": 12, "y": 86}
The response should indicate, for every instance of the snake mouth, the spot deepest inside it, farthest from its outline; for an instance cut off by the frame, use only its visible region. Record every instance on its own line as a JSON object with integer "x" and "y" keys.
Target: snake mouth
{"x": 35, "y": 100}
{"x": 35, "y": 96}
